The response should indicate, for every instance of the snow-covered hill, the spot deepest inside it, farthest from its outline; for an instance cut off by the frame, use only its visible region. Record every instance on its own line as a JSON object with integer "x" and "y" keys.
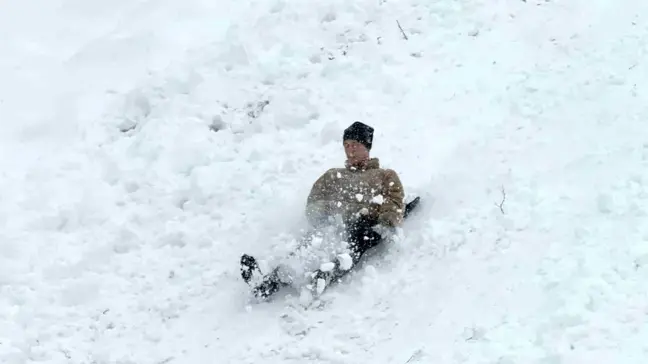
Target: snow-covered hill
{"x": 146, "y": 145}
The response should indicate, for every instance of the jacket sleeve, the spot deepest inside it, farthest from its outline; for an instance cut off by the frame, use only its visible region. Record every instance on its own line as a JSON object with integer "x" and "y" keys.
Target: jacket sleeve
{"x": 318, "y": 203}
{"x": 393, "y": 206}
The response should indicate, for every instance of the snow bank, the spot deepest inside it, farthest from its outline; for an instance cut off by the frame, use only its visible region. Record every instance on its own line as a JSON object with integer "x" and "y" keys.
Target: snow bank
{"x": 145, "y": 146}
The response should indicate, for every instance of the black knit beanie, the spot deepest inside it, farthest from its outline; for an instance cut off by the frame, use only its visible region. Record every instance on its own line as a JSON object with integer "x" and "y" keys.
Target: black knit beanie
{"x": 359, "y": 132}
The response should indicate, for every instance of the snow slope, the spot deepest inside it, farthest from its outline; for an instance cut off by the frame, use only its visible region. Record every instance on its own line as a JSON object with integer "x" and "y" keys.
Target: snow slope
{"x": 146, "y": 145}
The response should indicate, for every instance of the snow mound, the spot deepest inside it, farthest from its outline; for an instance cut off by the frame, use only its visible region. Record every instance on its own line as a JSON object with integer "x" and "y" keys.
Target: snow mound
{"x": 146, "y": 146}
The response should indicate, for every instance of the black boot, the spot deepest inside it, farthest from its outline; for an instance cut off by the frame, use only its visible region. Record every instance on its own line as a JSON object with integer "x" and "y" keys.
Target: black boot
{"x": 269, "y": 286}
{"x": 248, "y": 266}
{"x": 270, "y": 283}
{"x": 320, "y": 280}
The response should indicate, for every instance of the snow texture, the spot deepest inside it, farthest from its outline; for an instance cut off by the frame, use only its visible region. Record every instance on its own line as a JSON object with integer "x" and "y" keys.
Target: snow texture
{"x": 316, "y": 250}
{"x": 327, "y": 267}
{"x": 378, "y": 199}
{"x": 346, "y": 262}
{"x": 145, "y": 146}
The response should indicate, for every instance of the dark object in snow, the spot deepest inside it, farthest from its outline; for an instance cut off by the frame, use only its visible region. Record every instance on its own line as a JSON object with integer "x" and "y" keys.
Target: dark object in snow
{"x": 270, "y": 284}
{"x": 127, "y": 125}
{"x": 402, "y": 31}
{"x": 362, "y": 237}
{"x": 248, "y": 266}
{"x": 256, "y": 110}
{"x": 411, "y": 206}
{"x": 217, "y": 124}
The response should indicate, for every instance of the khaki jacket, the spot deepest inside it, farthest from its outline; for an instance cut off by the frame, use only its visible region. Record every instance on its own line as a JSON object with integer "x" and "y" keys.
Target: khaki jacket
{"x": 354, "y": 191}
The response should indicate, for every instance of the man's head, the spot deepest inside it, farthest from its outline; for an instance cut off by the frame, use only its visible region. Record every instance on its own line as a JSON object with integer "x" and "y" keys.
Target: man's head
{"x": 357, "y": 141}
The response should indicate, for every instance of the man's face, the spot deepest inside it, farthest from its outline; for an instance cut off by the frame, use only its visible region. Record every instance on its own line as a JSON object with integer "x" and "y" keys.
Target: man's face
{"x": 355, "y": 151}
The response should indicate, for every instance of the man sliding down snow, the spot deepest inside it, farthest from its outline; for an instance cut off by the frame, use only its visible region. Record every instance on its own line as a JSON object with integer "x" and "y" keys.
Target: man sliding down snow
{"x": 363, "y": 197}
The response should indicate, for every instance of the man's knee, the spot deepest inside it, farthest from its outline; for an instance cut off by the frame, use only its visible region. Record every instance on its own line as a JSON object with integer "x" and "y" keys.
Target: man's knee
{"x": 362, "y": 237}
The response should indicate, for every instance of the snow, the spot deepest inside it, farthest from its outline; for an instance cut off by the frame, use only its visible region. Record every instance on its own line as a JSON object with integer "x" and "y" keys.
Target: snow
{"x": 378, "y": 199}
{"x": 146, "y": 145}
{"x": 346, "y": 262}
{"x": 327, "y": 267}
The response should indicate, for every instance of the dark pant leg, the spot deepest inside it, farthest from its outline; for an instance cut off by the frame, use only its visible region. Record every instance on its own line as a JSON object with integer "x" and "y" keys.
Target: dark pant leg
{"x": 271, "y": 282}
{"x": 362, "y": 238}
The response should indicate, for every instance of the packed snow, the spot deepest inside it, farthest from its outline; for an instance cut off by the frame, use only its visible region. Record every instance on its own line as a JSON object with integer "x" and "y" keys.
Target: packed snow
{"x": 146, "y": 145}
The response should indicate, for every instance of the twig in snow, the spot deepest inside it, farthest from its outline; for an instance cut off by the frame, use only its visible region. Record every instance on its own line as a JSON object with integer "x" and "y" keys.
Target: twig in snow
{"x": 402, "y": 31}
{"x": 416, "y": 356}
{"x": 474, "y": 334}
{"x": 257, "y": 109}
{"x": 501, "y": 204}
{"x": 66, "y": 353}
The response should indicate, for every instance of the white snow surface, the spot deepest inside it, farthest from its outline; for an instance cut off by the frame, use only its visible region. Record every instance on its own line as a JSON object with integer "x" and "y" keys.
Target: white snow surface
{"x": 145, "y": 146}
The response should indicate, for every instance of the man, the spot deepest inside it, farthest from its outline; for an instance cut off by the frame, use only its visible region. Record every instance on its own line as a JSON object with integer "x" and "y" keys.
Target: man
{"x": 362, "y": 193}
{"x": 363, "y": 197}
